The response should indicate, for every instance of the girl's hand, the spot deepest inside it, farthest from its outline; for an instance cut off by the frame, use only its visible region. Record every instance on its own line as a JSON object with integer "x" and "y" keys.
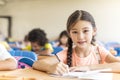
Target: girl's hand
{"x": 59, "y": 68}
{"x": 79, "y": 69}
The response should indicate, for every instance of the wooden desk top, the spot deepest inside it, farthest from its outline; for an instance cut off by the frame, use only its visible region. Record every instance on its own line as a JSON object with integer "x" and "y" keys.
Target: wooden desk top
{"x": 30, "y": 74}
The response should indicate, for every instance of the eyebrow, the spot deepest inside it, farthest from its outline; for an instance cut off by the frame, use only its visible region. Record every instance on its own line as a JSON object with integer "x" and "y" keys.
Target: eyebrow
{"x": 82, "y": 28}
{"x": 73, "y": 29}
{"x": 86, "y": 28}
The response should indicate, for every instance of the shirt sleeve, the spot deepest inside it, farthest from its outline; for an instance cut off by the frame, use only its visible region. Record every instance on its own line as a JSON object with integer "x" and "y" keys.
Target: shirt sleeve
{"x": 4, "y": 54}
{"x": 103, "y": 53}
{"x": 48, "y": 46}
{"x": 62, "y": 55}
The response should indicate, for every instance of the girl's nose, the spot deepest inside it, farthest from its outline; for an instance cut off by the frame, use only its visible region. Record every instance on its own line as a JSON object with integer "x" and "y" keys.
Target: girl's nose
{"x": 80, "y": 35}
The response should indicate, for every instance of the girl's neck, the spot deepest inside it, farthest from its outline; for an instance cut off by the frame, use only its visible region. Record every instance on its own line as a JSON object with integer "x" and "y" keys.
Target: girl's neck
{"x": 82, "y": 52}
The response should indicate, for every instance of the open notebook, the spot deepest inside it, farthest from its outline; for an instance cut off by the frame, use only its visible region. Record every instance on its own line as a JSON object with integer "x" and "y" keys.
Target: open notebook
{"x": 90, "y": 75}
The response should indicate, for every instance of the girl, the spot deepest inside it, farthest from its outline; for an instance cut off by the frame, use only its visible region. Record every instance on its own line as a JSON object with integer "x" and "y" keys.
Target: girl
{"x": 62, "y": 40}
{"x": 82, "y": 53}
{"x": 61, "y": 43}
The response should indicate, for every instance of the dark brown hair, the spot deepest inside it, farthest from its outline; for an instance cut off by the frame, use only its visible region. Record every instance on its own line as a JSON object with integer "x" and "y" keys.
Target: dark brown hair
{"x": 38, "y": 35}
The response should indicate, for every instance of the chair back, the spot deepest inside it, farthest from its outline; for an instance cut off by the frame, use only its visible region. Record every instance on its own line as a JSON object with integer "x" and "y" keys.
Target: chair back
{"x": 57, "y": 49}
{"x": 21, "y": 53}
{"x": 25, "y": 62}
{"x": 24, "y": 58}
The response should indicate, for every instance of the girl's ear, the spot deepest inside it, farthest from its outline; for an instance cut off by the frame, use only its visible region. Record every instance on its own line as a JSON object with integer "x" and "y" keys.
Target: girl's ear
{"x": 94, "y": 31}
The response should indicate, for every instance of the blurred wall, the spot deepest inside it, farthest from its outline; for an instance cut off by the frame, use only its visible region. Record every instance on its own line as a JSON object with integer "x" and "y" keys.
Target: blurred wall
{"x": 51, "y": 15}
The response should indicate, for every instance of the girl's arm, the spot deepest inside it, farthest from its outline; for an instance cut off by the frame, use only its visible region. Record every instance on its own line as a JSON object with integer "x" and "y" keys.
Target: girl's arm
{"x": 115, "y": 67}
{"x": 8, "y": 64}
{"x": 112, "y": 63}
{"x": 110, "y": 58}
{"x": 46, "y": 64}
{"x": 51, "y": 65}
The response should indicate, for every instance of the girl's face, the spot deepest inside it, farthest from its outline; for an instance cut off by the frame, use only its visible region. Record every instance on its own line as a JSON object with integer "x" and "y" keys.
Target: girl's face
{"x": 81, "y": 33}
{"x": 35, "y": 46}
{"x": 64, "y": 40}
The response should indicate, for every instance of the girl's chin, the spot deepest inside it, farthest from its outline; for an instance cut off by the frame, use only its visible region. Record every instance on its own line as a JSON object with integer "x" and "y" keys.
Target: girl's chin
{"x": 82, "y": 45}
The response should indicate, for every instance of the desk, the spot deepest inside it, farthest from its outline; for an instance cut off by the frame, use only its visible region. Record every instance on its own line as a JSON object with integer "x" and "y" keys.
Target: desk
{"x": 38, "y": 75}
{"x": 31, "y": 73}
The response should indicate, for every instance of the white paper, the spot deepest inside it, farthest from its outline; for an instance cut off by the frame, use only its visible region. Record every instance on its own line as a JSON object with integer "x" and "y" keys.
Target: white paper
{"x": 95, "y": 75}
{"x": 98, "y": 76}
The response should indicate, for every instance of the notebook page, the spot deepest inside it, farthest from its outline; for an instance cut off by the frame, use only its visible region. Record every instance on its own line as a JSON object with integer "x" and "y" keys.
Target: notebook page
{"x": 95, "y": 74}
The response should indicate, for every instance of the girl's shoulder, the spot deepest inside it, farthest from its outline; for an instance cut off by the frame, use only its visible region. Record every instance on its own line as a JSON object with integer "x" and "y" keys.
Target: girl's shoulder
{"x": 62, "y": 55}
{"x": 101, "y": 53}
{"x": 101, "y": 48}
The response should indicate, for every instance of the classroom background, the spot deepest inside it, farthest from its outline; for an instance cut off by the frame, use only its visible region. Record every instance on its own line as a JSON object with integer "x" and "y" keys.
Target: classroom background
{"x": 51, "y": 16}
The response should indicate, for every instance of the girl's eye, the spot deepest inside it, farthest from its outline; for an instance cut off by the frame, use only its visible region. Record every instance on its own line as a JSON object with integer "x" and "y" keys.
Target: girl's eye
{"x": 86, "y": 31}
{"x": 74, "y": 32}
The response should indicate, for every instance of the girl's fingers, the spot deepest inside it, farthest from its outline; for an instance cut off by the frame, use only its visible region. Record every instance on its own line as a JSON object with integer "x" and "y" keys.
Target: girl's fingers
{"x": 72, "y": 69}
{"x": 60, "y": 71}
{"x": 62, "y": 68}
{"x": 66, "y": 67}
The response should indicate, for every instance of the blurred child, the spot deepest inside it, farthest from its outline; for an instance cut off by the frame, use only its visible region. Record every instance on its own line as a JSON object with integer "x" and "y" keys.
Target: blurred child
{"x": 62, "y": 40}
{"x": 3, "y": 42}
{"x": 6, "y": 45}
{"x": 39, "y": 42}
{"x": 26, "y": 44}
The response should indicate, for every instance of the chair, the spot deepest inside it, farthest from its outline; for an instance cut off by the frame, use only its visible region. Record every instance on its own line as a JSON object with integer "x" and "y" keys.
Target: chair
{"x": 25, "y": 62}
{"x": 111, "y": 44}
{"x": 118, "y": 51}
{"x": 21, "y": 53}
{"x": 115, "y": 45}
{"x": 57, "y": 49}
{"x": 24, "y": 58}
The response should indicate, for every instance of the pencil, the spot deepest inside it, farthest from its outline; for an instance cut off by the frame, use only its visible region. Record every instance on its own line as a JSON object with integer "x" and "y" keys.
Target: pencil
{"x": 67, "y": 68}
{"x": 57, "y": 57}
